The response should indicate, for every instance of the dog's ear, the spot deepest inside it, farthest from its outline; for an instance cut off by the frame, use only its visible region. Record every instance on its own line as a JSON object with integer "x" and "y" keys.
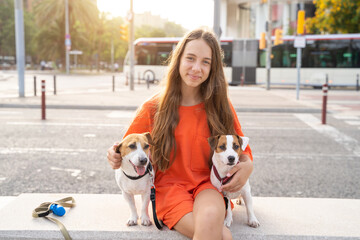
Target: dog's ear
{"x": 148, "y": 137}
{"x": 244, "y": 142}
{"x": 117, "y": 149}
{"x": 213, "y": 141}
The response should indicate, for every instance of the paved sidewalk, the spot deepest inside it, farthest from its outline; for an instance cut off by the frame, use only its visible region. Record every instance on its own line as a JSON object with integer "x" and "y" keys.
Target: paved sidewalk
{"x": 103, "y": 216}
{"x": 248, "y": 98}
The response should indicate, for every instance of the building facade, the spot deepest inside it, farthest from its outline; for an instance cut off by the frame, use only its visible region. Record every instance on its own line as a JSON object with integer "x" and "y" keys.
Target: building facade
{"x": 247, "y": 19}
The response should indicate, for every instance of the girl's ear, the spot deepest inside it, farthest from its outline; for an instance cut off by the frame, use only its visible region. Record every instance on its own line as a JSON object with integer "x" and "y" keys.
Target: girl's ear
{"x": 213, "y": 141}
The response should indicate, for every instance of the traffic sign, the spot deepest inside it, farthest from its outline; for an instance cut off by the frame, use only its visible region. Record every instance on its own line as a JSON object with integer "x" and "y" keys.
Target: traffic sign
{"x": 300, "y": 42}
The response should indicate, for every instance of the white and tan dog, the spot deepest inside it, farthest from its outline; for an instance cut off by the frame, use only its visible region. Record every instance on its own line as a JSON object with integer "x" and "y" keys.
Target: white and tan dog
{"x": 136, "y": 174}
{"x": 227, "y": 151}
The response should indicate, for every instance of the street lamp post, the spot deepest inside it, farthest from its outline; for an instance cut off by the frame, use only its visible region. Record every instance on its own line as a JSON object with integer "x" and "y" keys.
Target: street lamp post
{"x": 131, "y": 46}
{"x": 20, "y": 45}
{"x": 67, "y": 37}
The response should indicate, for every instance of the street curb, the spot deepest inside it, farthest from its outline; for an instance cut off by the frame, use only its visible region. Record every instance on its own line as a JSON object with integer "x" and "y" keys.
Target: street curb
{"x": 133, "y": 108}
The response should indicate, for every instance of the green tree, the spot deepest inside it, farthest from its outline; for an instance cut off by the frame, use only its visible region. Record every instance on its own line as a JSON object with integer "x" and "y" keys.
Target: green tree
{"x": 50, "y": 17}
{"x": 335, "y": 16}
{"x": 7, "y": 30}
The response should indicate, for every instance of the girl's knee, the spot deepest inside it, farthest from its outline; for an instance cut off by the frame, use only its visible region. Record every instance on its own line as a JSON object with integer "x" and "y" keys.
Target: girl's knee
{"x": 212, "y": 213}
{"x": 227, "y": 234}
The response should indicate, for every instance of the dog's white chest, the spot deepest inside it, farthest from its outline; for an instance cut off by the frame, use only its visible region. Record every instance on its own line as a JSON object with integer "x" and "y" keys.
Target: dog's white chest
{"x": 135, "y": 187}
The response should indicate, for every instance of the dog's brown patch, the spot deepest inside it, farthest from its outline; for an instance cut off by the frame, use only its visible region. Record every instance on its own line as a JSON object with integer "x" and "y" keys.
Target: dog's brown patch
{"x": 238, "y": 143}
{"x": 127, "y": 144}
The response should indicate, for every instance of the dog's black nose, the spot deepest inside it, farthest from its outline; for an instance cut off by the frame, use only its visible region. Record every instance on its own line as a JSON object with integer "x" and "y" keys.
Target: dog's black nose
{"x": 143, "y": 161}
{"x": 231, "y": 159}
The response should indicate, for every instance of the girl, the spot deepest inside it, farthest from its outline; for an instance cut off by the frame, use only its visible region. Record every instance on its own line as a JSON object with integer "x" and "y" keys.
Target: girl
{"x": 193, "y": 106}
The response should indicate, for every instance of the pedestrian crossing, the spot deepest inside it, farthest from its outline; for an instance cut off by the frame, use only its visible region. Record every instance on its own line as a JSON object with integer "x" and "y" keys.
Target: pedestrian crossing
{"x": 349, "y": 119}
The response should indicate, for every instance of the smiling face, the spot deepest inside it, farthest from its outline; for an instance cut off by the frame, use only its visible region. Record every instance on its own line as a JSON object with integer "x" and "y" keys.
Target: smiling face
{"x": 195, "y": 63}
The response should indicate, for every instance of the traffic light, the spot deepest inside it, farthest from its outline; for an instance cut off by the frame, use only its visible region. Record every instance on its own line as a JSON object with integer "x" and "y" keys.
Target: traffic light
{"x": 262, "y": 41}
{"x": 301, "y": 22}
{"x": 124, "y": 31}
{"x": 278, "y": 37}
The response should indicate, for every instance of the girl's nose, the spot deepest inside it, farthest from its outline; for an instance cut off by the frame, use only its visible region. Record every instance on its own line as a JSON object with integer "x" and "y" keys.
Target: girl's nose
{"x": 196, "y": 66}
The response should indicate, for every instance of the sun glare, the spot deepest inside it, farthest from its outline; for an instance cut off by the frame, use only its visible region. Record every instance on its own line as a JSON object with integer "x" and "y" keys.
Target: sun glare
{"x": 188, "y": 13}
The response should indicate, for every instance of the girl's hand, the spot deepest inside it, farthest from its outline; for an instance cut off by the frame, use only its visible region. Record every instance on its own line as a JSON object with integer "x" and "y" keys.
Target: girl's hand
{"x": 114, "y": 158}
{"x": 241, "y": 173}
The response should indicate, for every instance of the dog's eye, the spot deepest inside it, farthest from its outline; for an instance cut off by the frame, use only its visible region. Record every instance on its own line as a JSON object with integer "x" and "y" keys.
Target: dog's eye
{"x": 132, "y": 146}
{"x": 222, "y": 147}
{"x": 236, "y": 146}
{"x": 146, "y": 146}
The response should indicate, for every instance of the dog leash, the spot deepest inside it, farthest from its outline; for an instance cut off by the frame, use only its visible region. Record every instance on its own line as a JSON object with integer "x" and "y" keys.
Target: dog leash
{"x": 158, "y": 224}
{"x": 44, "y": 209}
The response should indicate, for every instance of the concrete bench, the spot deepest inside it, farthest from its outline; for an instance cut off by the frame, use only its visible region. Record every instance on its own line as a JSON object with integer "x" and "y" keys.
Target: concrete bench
{"x": 103, "y": 216}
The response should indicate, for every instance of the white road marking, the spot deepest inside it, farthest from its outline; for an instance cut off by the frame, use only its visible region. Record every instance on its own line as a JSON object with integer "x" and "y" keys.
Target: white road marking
{"x": 346, "y": 117}
{"x": 68, "y": 124}
{"x": 74, "y": 172}
{"x": 90, "y": 135}
{"x": 121, "y": 114}
{"x": 275, "y": 128}
{"x": 347, "y": 142}
{"x": 2, "y": 112}
{"x": 51, "y": 150}
{"x": 353, "y": 122}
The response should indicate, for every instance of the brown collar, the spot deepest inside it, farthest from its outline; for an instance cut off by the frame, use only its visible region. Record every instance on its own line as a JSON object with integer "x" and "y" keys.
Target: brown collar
{"x": 222, "y": 180}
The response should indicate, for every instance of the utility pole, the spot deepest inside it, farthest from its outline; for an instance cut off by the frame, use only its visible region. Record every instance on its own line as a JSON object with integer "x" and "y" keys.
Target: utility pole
{"x": 216, "y": 26}
{"x": 67, "y": 37}
{"x": 300, "y": 42}
{"x": 112, "y": 54}
{"x": 131, "y": 46}
{"x": 20, "y": 45}
{"x": 268, "y": 52}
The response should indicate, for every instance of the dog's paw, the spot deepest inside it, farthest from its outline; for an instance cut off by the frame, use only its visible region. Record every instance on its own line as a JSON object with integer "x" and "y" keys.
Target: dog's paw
{"x": 131, "y": 222}
{"x": 253, "y": 223}
{"x": 145, "y": 221}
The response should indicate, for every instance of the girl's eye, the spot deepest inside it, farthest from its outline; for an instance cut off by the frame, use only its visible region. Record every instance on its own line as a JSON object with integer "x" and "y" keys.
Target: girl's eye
{"x": 132, "y": 146}
{"x": 190, "y": 58}
{"x": 146, "y": 146}
{"x": 207, "y": 62}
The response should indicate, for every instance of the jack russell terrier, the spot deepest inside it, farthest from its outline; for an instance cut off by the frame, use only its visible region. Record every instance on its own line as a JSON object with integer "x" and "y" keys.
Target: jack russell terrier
{"x": 227, "y": 150}
{"x": 136, "y": 174}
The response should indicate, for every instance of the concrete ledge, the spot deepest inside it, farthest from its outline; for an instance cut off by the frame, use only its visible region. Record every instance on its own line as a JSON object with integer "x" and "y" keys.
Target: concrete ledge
{"x": 103, "y": 216}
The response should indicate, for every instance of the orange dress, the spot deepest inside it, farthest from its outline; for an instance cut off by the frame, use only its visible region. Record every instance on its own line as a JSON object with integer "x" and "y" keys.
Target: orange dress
{"x": 177, "y": 187}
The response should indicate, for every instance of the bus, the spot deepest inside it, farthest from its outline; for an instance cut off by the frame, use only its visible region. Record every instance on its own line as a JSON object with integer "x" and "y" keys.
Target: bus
{"x": 335, "y": 57}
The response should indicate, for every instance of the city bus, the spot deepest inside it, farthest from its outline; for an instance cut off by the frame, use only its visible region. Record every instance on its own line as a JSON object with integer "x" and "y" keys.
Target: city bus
{"x": 335, "y": 57}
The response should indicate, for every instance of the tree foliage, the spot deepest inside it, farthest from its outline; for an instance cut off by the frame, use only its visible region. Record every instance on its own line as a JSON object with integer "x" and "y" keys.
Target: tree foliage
{"x": 335, "y": 16}
{"x": 92, "y": 32}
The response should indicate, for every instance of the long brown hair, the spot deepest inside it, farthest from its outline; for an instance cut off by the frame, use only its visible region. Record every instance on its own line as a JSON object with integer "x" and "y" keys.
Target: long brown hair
{"x": 213, "y": 91}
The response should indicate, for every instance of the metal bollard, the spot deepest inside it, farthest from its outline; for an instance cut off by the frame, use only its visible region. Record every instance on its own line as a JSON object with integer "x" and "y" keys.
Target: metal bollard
{"x": 126, "y": 80}
{"x": 113, "y": 83}
{"x": 35, "y": 86}
{"x": 242, "y": 79}
{"x": 323, "y": 112}
{"x": 54, "y": 84}
{"x": 43, "y": 117}
{"x": 357, "y": 82}
{"x": 327, "y": 79}
{"x": 139, "y": 78}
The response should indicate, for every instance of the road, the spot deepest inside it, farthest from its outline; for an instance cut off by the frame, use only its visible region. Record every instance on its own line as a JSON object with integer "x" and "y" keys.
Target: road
{"x": 67, "y": 153}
